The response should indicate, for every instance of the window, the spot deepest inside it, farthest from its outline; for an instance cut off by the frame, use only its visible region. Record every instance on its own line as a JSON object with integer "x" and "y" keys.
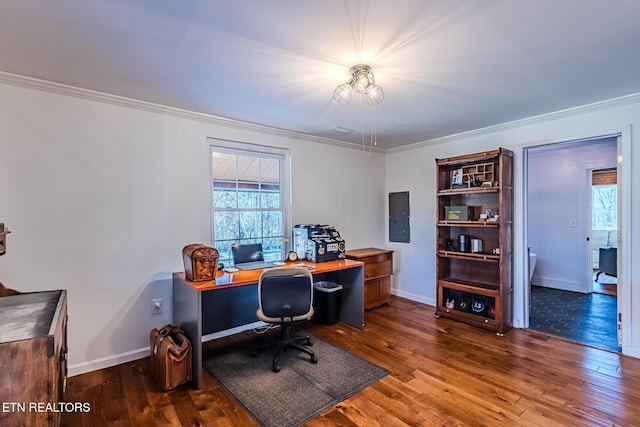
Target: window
{"x": 250, "y": 188}
{"x": 604, "y": 213}
{"x": 604, "y": 200}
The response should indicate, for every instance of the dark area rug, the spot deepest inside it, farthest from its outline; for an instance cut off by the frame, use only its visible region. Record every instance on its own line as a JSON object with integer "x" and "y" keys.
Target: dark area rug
{"x": 301, "y": 390}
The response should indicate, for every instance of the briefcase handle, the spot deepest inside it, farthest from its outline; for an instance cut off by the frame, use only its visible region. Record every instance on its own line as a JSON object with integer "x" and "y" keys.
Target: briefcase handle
{"x": 165, "y": 332}
{"x": 170, "y": 329}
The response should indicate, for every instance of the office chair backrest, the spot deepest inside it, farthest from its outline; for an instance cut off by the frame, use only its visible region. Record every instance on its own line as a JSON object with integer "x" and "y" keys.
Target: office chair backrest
{"x": 286, "y": 292}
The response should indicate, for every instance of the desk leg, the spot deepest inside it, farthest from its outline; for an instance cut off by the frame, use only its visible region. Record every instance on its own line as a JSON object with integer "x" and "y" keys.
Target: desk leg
{"x": 187, "y": 314}
{"x": 353, "y": 309}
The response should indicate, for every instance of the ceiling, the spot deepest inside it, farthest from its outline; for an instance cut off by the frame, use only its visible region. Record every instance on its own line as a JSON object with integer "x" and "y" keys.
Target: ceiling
{"x": 446, "y": 66}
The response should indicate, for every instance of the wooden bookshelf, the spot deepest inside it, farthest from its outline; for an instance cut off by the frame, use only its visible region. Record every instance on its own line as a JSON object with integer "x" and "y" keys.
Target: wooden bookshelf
{"x": 476, "y": 287}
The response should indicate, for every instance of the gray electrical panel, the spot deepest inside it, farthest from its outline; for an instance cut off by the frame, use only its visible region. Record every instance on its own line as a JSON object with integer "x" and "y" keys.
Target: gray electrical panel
{"x": 399, "y": 230}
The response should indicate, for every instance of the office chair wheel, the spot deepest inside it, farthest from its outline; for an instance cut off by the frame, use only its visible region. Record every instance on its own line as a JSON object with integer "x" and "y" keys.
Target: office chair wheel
{"x": 275, "y": 369}
{"x": 314, "y": 359}
{"x": 308, "y": 343}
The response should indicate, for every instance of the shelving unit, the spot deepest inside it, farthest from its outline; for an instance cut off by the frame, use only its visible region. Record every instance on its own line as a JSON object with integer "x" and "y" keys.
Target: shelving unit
{"x": 476, "y": 287}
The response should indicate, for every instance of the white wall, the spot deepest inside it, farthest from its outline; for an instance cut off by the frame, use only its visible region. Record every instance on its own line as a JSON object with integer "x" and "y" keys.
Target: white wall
{"x": 558, "y": 203}
{"x": 413, "y": 169}
{"x": 102, "y": 194}
{"x": 101, "y": 197}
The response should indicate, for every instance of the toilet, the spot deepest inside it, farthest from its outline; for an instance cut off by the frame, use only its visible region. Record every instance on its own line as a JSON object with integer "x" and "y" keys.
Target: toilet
{"x": 533, "y": 257}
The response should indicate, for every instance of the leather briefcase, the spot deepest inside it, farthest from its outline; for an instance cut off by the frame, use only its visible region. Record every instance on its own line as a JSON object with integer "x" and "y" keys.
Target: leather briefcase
{"x": 170, "y": 357}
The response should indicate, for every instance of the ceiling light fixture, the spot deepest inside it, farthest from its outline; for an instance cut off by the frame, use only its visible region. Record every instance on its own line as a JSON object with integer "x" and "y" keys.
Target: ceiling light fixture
{"x": 362, "y": 81}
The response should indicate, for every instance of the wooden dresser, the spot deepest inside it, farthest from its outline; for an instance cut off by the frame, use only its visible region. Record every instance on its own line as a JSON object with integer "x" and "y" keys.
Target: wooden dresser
{"x": 33, "y": 358}
{"x": 378, "y": 268}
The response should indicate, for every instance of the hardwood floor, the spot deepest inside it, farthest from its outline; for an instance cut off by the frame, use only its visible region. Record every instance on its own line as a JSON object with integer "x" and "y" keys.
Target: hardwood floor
{"x": 444, "y": 373}
{"x": 605, "y": 288}
{"x": 607, "y": 284}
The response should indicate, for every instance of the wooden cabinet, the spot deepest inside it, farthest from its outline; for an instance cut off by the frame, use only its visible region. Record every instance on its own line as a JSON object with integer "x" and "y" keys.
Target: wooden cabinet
{"x": 474, "y": 272}
{"x": 378, "y": 268}
{"x": 33, "y": 358}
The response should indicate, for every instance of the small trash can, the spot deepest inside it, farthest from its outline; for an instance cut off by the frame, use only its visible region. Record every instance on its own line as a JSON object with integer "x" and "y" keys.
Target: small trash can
{"x": 326, "y": 302}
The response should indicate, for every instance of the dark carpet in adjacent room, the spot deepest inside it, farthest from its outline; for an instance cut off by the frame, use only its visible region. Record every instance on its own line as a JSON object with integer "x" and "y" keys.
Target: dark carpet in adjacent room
{"x": 585, "y": 318}
{"x": 301, "y": 390}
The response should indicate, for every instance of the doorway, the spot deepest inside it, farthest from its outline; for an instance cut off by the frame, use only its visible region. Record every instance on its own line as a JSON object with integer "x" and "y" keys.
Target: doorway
{"x": 562, "y": 301}
{"x": 604, "y": 230}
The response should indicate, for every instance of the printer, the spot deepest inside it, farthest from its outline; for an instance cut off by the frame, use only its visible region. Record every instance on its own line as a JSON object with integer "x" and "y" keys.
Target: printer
{"x": 318, "y": 243}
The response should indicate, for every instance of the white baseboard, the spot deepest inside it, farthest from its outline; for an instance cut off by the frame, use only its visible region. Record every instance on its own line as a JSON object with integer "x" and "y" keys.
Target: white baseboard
{"x": 631, "y": 352}
{"x": 413, "y": 297}
{"x": 107, "y": 362}
{"x": 551, "y": 282}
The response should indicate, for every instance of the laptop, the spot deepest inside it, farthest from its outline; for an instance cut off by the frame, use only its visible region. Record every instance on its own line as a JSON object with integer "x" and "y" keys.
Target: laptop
{"x": 249, "y": 257}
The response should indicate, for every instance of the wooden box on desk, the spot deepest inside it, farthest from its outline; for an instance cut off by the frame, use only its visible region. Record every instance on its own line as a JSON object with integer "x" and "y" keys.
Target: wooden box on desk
{"x": 33, "y": 357}
{"x": 200, "y": 262}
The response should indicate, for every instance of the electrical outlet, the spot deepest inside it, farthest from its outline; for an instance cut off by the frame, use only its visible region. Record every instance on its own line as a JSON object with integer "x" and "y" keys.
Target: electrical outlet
{"x": 156, "y": 306}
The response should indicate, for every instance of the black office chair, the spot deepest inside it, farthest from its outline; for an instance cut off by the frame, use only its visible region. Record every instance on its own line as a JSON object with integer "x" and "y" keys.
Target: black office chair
{"x": 285, "y": 295}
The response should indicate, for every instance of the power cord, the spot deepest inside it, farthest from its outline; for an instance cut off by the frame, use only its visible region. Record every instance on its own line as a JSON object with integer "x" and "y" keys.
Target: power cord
{"x": 266, "y": 328}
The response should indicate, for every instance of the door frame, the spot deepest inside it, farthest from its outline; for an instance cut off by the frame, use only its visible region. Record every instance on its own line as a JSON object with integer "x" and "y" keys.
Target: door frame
{"x": 522, "y": 295}
{"x": 589, "y": 269}
{"x": 624, "y": 247}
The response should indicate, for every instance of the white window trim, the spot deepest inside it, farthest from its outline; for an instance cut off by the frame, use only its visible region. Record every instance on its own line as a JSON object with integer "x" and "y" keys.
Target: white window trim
{"x": 237, "y": 147}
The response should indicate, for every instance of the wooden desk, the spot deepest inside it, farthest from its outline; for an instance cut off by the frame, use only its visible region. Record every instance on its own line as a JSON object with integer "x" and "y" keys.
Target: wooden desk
{"x": 203, "y": 308}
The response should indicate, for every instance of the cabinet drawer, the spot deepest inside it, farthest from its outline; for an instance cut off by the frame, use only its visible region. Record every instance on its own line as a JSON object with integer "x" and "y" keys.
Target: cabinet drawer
{"x": 372, "y": 259}
{"x": 377, "y": 269}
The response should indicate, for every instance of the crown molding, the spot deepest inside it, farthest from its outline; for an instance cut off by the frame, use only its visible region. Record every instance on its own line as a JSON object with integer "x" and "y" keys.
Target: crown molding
{"x": 81, "y": 93}
{"x": 77, "y": 92}
{"x": 568, "y": 112}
